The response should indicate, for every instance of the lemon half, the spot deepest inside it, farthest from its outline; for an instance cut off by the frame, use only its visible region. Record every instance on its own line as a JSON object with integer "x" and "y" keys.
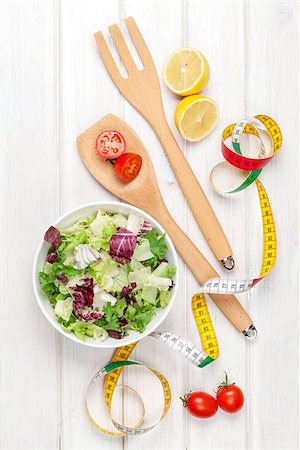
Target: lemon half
{"x": 186, "y": 71}
{"x": 196, "y": 116}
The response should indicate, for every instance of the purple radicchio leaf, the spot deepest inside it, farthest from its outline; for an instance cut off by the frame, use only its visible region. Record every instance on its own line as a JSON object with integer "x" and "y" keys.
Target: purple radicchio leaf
{"x": 89, "y": 316}
{"x": 52, "y": 236}
{"x": 52, "y": 257}
{"x": 127, "y": 290}
{"x": 146, "y": 227}
{"x": 123, "y": 322}
{"x": 116, "y": 334}
{"x": 121, "y": 245}
{"x": 83, "y": 295}
{"x": 62, "y": 278}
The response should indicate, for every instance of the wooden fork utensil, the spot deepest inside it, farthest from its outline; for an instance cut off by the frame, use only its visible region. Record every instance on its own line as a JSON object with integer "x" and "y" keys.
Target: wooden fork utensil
{"x": 141, "y": 88}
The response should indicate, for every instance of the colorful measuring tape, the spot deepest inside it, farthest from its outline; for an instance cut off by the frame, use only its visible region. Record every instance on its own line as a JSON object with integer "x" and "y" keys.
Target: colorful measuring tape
{"x": 112, "y": 371}
{"x": 210, "y": 351}
{"x": 258, "y": 125}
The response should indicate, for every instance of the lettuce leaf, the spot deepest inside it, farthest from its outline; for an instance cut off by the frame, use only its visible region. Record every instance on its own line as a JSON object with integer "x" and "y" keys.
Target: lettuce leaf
{"x": 141, "y": 318}
{"x": 149, "y": 294}
{"x": 158, "y": 247}
{"x": 164, "y": 298}
{"x": 164, "y": 270}
{"x": 142, "y": 251}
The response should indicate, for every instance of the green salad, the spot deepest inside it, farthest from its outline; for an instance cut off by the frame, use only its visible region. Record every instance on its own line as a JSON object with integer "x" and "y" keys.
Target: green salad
{"x": 106, "y": 274}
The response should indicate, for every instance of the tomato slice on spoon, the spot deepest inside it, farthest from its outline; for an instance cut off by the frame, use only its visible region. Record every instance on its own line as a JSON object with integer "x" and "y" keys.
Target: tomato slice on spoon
{"x": 127, "y": 166}
{"x": 110, "y": 144}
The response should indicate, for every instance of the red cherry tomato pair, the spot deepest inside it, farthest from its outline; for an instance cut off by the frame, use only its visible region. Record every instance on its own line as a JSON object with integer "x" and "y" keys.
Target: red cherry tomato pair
{"x": 111, "y": 145}
{"x": 230, "y": 398}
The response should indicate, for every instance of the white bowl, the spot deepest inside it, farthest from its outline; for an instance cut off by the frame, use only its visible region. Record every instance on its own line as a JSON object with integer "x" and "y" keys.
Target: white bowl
{"x": 65, "y": 221}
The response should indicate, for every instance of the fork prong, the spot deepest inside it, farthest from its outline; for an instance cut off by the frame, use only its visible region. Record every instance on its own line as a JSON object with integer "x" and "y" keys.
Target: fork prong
{"x": 138, "y": 41}
{"x": 122, "y": 48}
{"x": 107, "y": 58}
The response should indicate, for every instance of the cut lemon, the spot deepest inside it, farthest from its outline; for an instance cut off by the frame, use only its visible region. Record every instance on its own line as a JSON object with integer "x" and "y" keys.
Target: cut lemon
{"x": 186, "y": 71}
{"x": 196, "y": 116}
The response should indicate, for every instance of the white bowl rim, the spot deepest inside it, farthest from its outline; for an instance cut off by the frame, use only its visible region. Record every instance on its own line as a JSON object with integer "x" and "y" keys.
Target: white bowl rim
{"x": 97, "y": 343}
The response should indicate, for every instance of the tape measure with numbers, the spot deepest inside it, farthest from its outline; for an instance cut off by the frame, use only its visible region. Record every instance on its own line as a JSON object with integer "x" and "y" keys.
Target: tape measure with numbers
{"x": 111, "y": 372}
{"x": 258, "y": 126}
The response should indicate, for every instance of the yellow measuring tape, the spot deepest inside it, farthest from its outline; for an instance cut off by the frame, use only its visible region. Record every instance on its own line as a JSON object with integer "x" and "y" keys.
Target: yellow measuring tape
{"x": 258, "y": 125}
{"x": 111, "y": 372}
{"x": 210, "y": 351}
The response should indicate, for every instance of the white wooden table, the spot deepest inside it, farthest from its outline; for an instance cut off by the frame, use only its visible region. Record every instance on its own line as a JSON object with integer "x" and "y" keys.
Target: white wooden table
{"x": 54, "y": 86}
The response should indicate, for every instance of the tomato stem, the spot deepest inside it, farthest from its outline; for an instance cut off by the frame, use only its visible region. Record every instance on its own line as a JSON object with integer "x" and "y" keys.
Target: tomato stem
{"x": 225, "y": 383}
{"x": 185, "y": 399}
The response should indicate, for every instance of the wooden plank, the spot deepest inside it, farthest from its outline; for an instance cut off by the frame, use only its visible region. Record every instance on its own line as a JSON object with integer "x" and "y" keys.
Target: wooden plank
{"x": 29, "y": 200}
{"x": 217, "y": 30}
{"x": 161, "y": 39}
{"x": 272, "y": 80}
{"x": 87, "y": 94}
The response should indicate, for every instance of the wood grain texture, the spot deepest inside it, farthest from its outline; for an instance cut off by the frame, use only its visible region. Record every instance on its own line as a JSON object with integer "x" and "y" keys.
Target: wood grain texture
{"x": 53, "y": 87}
{"x": 30, "y": 391}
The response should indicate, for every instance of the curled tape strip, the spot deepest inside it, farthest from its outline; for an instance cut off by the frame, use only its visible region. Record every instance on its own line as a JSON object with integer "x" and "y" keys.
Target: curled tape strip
{"x": 256, "y": 126}
{"x": 112, "y": 371}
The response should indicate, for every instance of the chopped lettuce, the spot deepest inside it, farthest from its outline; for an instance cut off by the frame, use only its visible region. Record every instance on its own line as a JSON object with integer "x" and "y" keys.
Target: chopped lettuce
{"x": 64, "y": 308}
{"x": 164, "y": 270}
{"x": 142, "y": 251}
{"x": 135, "y": 223}
{"x": 106, "y": 274}
{"x": 120, "y": 280}
{"x": 119, "y": 221}
{"x": 158, "y": 247}
{"x": 149, "y": 294}
{"x": 164, "y": 298}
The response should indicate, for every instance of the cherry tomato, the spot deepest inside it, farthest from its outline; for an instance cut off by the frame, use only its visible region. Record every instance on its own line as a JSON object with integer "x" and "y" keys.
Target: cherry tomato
{"x": 110, "y": 144}
{"x": 127, "y": 166}
{"x": 200, "y": 404}
{"x": 230, "y": 397}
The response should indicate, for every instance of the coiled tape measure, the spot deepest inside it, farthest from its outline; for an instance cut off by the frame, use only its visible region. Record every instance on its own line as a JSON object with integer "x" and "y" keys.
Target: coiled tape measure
{"x": 258, "y": 125}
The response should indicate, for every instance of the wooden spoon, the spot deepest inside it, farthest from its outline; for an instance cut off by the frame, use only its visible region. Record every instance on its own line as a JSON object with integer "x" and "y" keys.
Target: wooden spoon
{"x": 144, "y": 193}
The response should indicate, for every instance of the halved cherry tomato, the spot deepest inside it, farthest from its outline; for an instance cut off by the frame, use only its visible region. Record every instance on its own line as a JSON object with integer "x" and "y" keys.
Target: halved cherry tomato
{"x": 127, "y": 166}
{"x": 110, "y": 144}
{"x": 200, "y": 404}
{"x": 230, "y": 397}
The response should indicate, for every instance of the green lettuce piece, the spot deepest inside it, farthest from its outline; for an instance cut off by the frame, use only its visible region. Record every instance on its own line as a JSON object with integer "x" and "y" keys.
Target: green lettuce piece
{"x": 110, "y": 321}
{"x": 119, "y": 221}
{"x": 149, "y": 294}
{"x": 64, "y": 308}
{"x": 164, "y": 270}
{"x": 101, "y": 221}
{"x": 142, "y": 251}
{"x": 120, "y": 280}
{"x": 83, "y": 329}
{"x": 164, "y": 298}
{"x": 130, "y": 312}
{"x": 158, "y": 246}
{"x": 69, "y": 242}
{"x": 103, "y": 272}
{"x": 120, "y": 307}
{"x": 140, "y": 276}
{"x": 137, "y": 295}
{"x": 141, "y": 318}
{"x": 135, "y": 265}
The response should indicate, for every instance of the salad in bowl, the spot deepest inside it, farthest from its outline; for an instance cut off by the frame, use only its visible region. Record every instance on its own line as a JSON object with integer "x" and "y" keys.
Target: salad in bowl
{"x": 107, "y": 273}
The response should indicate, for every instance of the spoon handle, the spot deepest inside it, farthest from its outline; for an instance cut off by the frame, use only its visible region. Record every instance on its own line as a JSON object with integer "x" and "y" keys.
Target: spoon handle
{"x": 202, "y": 270}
